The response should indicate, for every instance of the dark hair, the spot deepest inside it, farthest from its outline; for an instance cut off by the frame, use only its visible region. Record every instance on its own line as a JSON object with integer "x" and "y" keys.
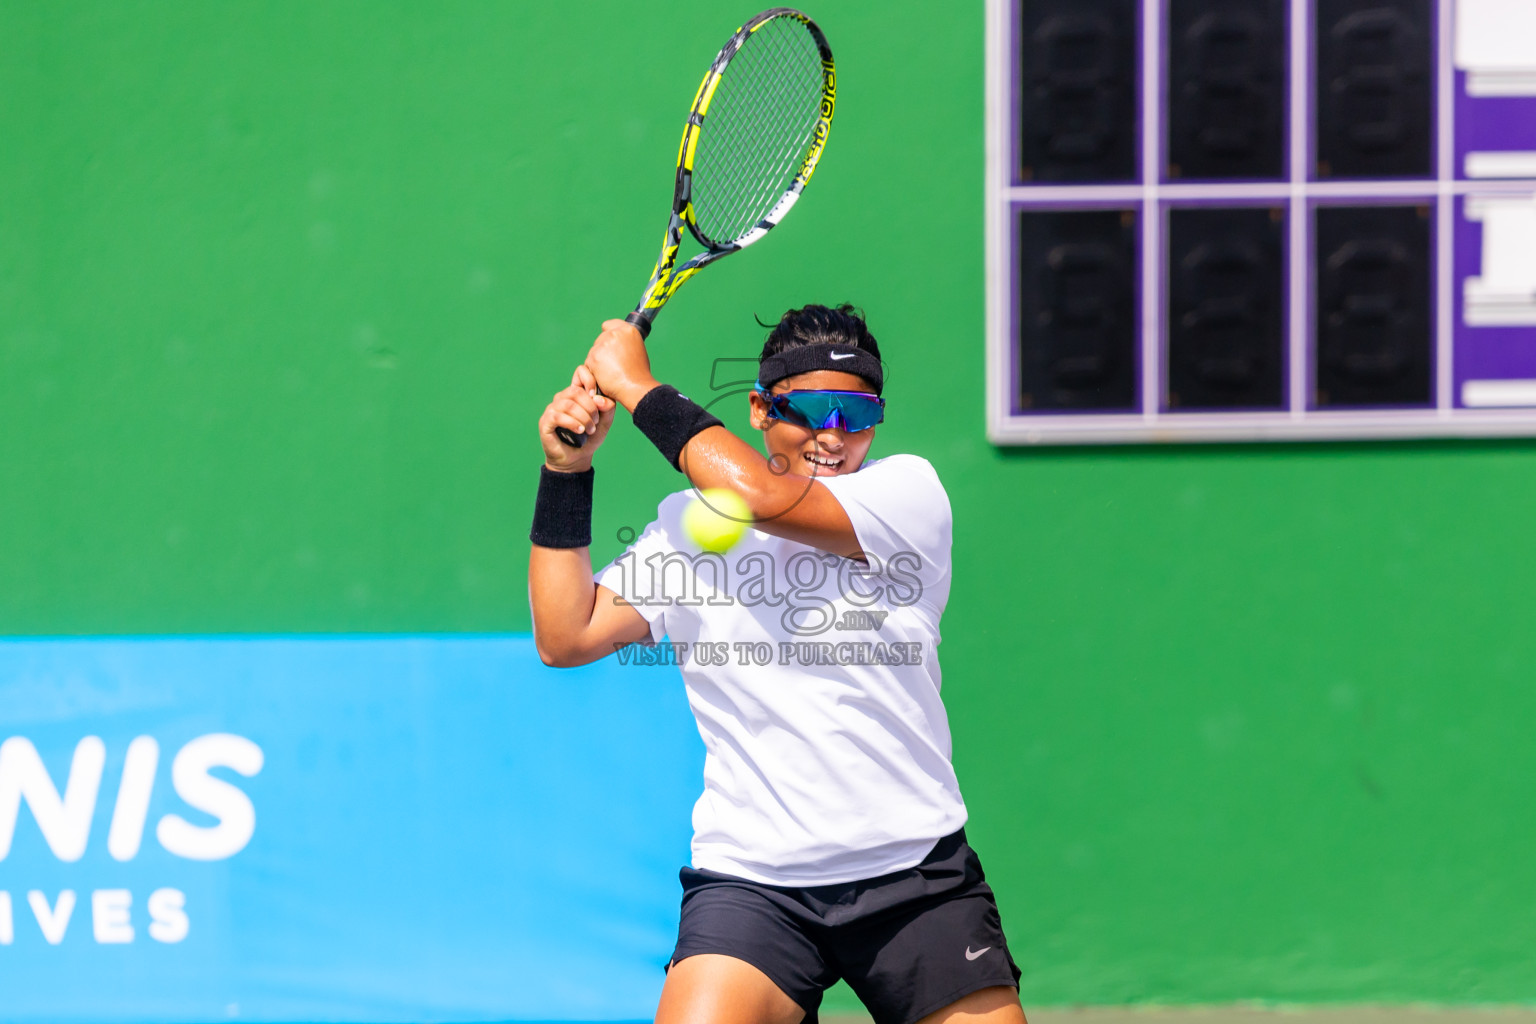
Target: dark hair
{"x": 820, "y": 325}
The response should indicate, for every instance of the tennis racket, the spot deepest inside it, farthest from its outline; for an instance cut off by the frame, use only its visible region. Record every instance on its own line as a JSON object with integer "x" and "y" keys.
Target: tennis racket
{"x": 754, "y": 135}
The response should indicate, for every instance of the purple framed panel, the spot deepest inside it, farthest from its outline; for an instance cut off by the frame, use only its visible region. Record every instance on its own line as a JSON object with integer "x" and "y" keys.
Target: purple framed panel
{"x": 1015, "y": 383}
{"x": 1438, "y": 48}
{"x": 1427, "y": 199}
{"x": 1498, "y": 347}
{"x": 1288, "y": 143}
{"x": 1015, "y": 78}
{"x": 1164, "y": 299}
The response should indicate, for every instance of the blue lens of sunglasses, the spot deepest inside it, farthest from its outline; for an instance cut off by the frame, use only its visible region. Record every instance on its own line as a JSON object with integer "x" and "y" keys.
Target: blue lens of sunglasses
{"x": 824, "y": 410}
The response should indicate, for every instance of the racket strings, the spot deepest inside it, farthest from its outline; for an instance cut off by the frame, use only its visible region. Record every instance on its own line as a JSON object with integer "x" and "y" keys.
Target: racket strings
{"x": 753, "y": 182}
{"x": 759, "y": 129}
{"x": 786, "y": 96}
{"x": 750, "y": 115}
{"x": 801, "y": 108}
{"x": 788, "y": 91}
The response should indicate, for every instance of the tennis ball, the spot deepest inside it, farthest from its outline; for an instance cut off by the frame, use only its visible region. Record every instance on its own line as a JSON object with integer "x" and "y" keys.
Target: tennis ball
{"x": 716, "y": 519}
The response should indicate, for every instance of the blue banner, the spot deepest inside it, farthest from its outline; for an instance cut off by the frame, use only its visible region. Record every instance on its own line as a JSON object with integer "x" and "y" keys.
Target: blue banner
{"x": 379, "y": 829}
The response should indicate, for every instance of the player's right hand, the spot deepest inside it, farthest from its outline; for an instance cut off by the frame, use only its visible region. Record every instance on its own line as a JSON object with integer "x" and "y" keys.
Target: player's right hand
{"x": 581, "y": 410}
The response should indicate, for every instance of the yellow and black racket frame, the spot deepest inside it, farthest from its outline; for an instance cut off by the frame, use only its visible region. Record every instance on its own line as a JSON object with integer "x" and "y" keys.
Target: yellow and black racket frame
{"x": 668, "y": 277}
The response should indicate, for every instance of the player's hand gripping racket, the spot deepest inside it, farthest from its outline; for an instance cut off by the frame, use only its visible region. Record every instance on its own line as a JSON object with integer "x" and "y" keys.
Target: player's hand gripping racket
{"x": 754, "y": 135}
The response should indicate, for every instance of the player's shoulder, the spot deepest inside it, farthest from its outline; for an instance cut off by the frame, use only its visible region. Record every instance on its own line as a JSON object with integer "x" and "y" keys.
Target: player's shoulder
{"x": 906, "y": 469}
{"x": 902, "y": 462}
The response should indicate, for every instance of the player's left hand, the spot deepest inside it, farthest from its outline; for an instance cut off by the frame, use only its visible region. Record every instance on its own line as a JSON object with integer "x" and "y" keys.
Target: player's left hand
{"x": 581, "y": 410}
{"x": 619, "y": 362}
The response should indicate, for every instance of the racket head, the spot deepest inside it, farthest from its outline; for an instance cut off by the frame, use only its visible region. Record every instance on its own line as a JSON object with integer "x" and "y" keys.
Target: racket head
{"x": 754, "y": 137}
{"x": 762, "y": 117}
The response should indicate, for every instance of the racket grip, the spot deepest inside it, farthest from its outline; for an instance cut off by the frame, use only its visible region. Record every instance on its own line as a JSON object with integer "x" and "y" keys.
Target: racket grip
{"x": 569, "y": 439}
{"x": 641, "y": 323}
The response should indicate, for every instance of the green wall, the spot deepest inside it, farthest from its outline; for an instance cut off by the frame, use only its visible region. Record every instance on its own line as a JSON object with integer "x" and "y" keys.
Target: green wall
{"x": 284, "y": 286}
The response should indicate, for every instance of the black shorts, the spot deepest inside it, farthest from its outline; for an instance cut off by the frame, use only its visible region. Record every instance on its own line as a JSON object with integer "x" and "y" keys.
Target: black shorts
{"x": 908, "y": 943}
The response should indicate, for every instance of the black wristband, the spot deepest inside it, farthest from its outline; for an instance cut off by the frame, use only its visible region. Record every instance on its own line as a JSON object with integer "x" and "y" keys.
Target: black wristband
{"x": 562, "y": 513}
{"x": 670, "y": 420}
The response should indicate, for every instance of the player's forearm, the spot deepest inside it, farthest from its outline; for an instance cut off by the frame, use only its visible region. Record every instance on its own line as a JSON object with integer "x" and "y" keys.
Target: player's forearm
{"x": 715, "y": 457}
{"x": 784, "y": 504}
{"x": 718, "y": 458}
{"x": 560, "y": 585}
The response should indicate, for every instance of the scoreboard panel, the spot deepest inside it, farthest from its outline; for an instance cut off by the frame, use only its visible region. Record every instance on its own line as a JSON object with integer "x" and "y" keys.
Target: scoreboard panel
{"x": 1260, "y": 219}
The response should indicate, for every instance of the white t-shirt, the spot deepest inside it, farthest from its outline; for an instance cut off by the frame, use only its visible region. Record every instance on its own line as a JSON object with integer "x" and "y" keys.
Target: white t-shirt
{"x": 814, "y": 680}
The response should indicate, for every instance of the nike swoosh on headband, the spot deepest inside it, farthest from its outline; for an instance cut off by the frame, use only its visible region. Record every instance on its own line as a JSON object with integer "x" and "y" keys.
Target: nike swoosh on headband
{"x": 842, "y": 355}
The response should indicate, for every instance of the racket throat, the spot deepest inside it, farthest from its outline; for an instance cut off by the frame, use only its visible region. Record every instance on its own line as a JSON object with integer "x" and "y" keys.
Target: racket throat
{"x": 641, "y": 322}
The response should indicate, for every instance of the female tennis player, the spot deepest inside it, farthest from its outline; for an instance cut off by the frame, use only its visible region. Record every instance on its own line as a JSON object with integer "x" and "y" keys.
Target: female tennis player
{"x": 829, "y": 839}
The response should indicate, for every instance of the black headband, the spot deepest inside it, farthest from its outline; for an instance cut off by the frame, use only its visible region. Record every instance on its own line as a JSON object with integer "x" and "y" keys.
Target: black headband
{"x": 805, "y": 358}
